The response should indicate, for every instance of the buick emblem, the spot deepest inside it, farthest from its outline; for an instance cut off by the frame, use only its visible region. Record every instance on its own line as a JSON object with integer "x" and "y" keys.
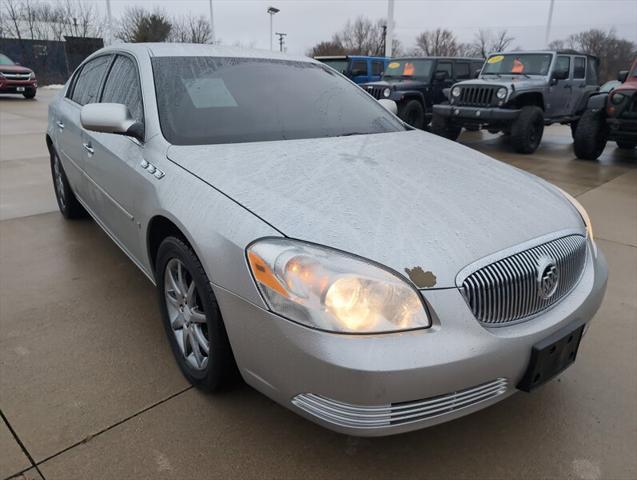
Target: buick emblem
{"x": 548, "y": 277}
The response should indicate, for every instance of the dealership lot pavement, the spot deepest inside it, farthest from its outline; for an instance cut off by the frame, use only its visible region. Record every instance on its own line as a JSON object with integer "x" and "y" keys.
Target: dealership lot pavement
{"x": 89, "y": 389}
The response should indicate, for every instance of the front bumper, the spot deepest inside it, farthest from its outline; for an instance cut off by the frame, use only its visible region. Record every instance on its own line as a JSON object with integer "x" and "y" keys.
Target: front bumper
{"x": 475, "y": 115}
{"x": 17, "y": 86}
{"x": 622, "y": 129}
{"x": 358, "y": 378}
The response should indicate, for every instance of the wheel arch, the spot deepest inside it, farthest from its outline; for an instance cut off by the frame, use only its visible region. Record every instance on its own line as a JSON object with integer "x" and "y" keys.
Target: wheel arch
{"x": 159, "y": 227}
{"x": 529, "y": 98}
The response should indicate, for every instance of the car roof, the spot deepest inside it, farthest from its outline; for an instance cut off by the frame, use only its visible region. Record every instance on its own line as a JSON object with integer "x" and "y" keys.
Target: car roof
{"x": 558, "y": 52}
{"x": 472, "y": 59}
{"x": 199, "y": 50}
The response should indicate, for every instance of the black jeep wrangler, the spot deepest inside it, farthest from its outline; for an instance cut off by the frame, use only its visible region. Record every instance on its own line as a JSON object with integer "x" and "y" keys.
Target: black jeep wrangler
{"x": 609, "y": 116}
{"x": 518, "y": 93}
{"x": 417, "y": 83}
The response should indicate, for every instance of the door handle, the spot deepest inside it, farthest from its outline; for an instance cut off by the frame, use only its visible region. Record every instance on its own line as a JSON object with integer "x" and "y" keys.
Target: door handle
{"x": 60, "y": 125}
{"x": 88, "y": 148}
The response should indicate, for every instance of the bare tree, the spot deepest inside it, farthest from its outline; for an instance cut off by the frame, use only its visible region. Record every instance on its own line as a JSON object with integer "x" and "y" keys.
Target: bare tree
{"x": 190, "y": 29}
{"x": 11, "y": 18}
{"x": 437, "y": 43}
{"x": 487, "y": 42}
{"x": 612, "y": 52}
{"x": 325, "y": 49}
{"x": 141, "y": 25}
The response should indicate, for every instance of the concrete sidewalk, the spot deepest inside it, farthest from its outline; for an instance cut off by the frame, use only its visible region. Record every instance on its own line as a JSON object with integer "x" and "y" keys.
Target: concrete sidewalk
{"x": 89, "y": 387}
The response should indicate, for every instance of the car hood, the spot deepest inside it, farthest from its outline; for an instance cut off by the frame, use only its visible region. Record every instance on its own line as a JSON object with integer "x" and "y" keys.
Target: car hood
{"x": 519, "y": 82}
{"x": 14, "y": 69}
{"x": 410, "y": 200}
{"x": 397, "y": 84}
{"x": 628, "y": 86}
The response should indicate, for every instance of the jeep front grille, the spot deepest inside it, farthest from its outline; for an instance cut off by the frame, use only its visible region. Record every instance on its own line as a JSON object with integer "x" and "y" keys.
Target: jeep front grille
{"x": 508, "y": 290}
{"x": 376, "y": 92}
{"x": 476, "y": 96}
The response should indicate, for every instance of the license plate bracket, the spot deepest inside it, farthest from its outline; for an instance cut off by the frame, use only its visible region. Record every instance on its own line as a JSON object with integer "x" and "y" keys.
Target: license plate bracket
{"x": 552, "y": 356}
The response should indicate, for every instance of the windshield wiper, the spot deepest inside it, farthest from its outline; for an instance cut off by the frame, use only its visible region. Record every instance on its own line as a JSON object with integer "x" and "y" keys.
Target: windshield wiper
{"x": 519, "y": 73}
{"x": 351, "y": 134}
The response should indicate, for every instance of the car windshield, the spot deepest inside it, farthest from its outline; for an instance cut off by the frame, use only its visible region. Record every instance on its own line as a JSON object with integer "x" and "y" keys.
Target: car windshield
{"x": 518, "y": 64}
{"x": 420, "y": 68}
{"x": 4, "y": 60}
{"x": 340, "y": 65}
{"x": 212, "y": 100}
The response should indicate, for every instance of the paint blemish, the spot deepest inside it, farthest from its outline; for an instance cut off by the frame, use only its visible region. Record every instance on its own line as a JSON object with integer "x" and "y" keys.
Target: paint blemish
{"x": 421, "y": 278}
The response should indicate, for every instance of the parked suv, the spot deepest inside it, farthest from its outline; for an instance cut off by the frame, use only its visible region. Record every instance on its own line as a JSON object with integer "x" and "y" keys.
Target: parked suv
{"x": 358, "y": 68}
{"x": 416, "y": 84}
{"x": 16, "y": 79}
{"x": 609, "y": 115}
{"x": 518, "y": 93}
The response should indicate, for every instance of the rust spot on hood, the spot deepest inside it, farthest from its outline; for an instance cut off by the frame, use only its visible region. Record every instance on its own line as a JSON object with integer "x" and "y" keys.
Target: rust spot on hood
{"x": 421, "y": 278}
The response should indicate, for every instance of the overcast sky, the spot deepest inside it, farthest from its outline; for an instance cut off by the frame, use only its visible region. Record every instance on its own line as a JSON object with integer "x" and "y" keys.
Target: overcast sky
{"x": 309, "y": 21}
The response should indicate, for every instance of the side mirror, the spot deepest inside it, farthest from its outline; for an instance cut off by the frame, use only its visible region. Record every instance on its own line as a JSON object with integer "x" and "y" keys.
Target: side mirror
{"x": 622, "y": 75}
{"x": 441, "y": 75}
{"x": 111, "y": 118}
{"x": 389, "y": 105}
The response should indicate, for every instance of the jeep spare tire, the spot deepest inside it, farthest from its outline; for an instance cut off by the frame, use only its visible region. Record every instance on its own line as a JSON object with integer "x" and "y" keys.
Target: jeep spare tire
{"x": 412, "y": 113}
{"x": 591, "y": 136}
{"x": 527, "y": 130}
{"x": 442, "y": 127}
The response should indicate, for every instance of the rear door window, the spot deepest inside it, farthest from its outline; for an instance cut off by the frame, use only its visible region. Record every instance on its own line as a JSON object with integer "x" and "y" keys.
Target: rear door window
{"x": 89, "y": 80}
{"x": 462, "y": 71}
{"x": 122, "y": 86}
{"x": 579, "y": 69}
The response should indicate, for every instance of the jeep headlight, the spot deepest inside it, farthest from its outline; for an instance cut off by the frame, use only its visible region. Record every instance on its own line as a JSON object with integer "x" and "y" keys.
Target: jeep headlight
{"x": 455, "y": 92}
{"x": 330, "y": 290}
{"x": 386, "y": 93}
{"x": 501, "y": 93}
{"x": 617, "y": 98}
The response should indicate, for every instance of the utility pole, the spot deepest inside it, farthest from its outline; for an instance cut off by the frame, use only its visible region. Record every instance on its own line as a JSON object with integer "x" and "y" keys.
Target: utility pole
{"x": 281, "y": 35}
{"x": 109, "y": 23}
{"x": 390, "y": 28}
{"x": 212, "y": 24}
{"x": 272, "y": 11}
{"x": 548, "y": 24}
{"x": 384, "y": 38}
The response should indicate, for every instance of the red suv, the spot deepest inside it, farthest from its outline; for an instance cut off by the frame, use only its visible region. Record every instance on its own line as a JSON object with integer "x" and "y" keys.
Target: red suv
{"x": 15, "y": 78}
{"x": 609, "y": 116}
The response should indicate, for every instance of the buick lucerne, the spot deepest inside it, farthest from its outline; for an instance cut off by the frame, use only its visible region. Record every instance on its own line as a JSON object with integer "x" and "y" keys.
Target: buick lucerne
{"x": 371, "y": 277}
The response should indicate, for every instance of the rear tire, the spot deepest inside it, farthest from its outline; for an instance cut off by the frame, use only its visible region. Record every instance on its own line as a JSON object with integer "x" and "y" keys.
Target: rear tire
{"x": 68, "y": 204}
{"x": 442, "y": 127}
{"x": 591, "y": 136}
{"x": 413, "y": 114}
{"x": 527, "y": 130}
{"x": 626, "y": 145}
{"x": 573, "y": 126}
{"x": 192, "y": 318}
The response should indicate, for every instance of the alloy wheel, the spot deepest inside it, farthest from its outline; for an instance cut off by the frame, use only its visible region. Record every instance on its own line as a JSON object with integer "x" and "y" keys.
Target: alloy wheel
{"x": 186, "y": 316}
{"x": 58, "y": 180}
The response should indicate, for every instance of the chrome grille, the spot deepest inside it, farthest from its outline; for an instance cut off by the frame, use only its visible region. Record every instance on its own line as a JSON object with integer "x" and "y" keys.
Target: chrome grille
{"x": 376, "y": 416}
{"x": 476, "y": 96}
{"x": 376, "y": 92}
{"x": 508, "y": 290}
{"x": 16, "y": 76}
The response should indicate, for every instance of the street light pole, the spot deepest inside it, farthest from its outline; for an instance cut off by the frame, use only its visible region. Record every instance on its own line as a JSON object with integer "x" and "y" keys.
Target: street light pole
{"x": 272, "y": 11}
{"x": 109, "y": 23}
{"x": 390, "y": 28}
{"x": 212, "y": 25}
{"x": 548, "y": 24}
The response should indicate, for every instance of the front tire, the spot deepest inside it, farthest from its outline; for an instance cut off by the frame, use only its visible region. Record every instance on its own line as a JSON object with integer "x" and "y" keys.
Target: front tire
{"x": 413, "y": 113}
{"x": 591, "y": 136}
{"x": 29, "y": 94}
{"x": 68, "y": 204}
{"x": 191, "y": 317}
{"x": 442, "y": 127}
{"x": 527, "y": 130}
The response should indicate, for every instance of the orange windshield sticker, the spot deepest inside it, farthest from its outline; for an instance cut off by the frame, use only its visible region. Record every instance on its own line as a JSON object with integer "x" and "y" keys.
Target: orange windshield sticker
{"x": 408, "y": 69}
{"x": 518, "y": 66}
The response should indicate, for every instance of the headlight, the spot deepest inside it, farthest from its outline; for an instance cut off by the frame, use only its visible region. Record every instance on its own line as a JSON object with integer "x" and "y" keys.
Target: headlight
{"x": 501, "y": 93}
{"x": 455, "y": 91}
{"x": 617, "y": 98}
{"x": 386, "y": 93}
{"x": 32, "y": 76}
{"x": 582, "y": 211}
{"x": 330, "y": 290}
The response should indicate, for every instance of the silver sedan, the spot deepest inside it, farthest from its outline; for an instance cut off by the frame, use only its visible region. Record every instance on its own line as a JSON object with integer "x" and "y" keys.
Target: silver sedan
{"x": 371, "y": 277}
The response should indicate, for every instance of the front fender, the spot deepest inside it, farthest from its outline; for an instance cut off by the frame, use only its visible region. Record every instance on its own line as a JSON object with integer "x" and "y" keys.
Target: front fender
{"x": 597, "y": 102}
{"x": 406, "y": 95}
